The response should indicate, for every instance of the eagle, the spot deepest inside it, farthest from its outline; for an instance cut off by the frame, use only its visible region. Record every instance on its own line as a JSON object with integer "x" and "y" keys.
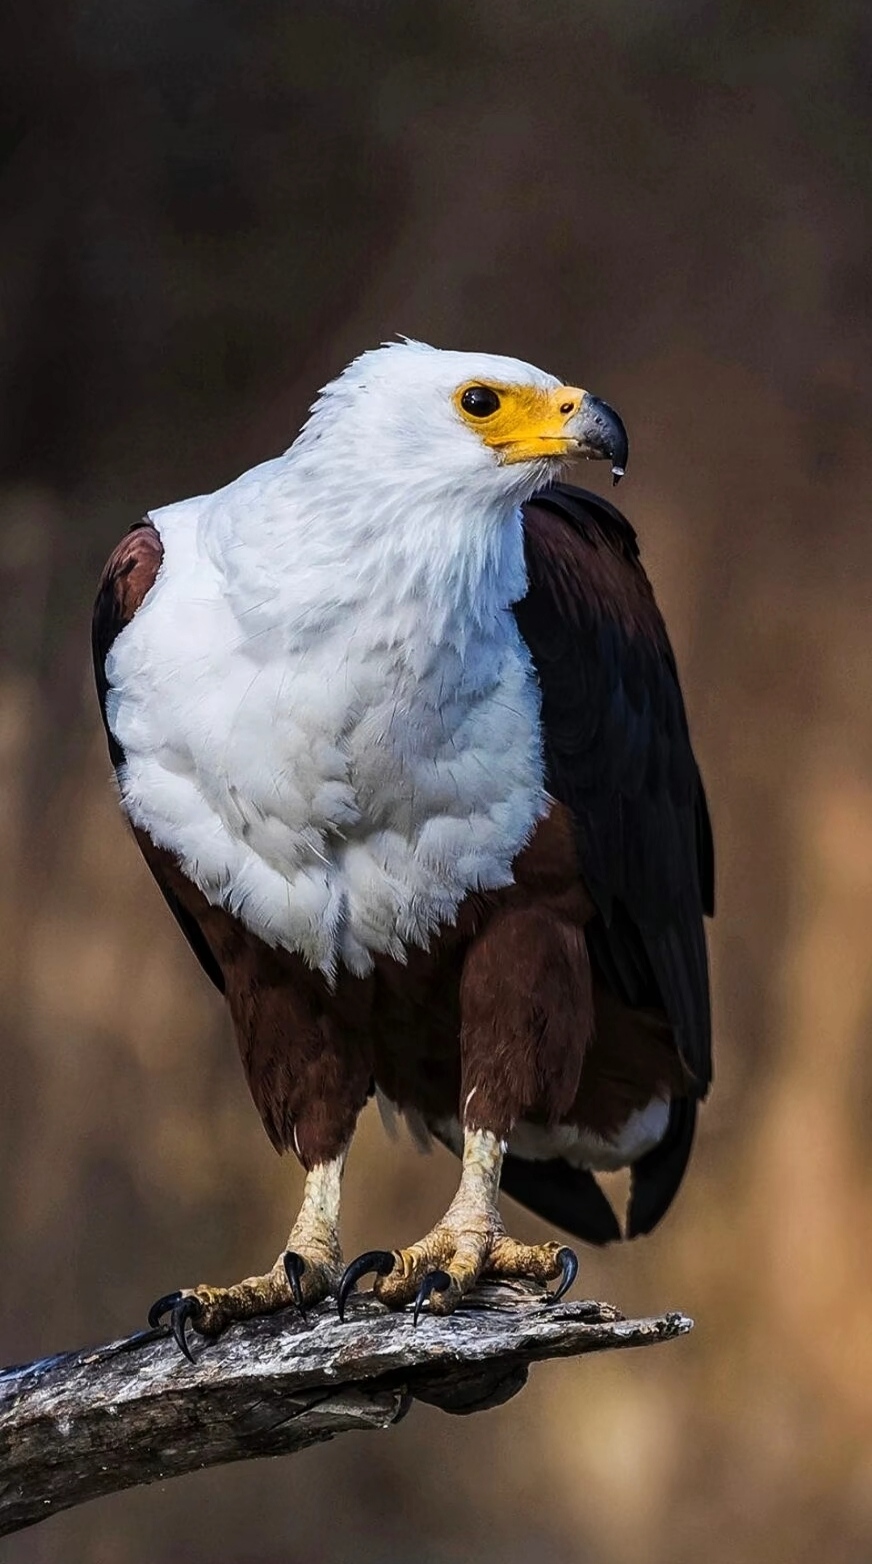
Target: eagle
{"x": 397, "y": 726}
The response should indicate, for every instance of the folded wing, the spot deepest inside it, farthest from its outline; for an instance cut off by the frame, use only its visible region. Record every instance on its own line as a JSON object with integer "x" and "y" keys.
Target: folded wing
{"x": 618, "y": 754}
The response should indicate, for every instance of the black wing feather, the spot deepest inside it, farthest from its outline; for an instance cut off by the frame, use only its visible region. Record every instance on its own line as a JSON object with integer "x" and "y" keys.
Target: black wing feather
{"x": 569, "y": 1197}
{"x": 618, "y": 754}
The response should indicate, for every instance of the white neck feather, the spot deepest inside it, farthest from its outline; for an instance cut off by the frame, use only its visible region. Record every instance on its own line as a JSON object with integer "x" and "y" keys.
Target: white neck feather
{"x": 320, "y": 543}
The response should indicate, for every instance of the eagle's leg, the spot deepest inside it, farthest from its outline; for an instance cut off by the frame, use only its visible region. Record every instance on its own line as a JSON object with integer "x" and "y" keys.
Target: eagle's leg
{"x": 306, "y": 1271}
{"x": 470, "y": 1242}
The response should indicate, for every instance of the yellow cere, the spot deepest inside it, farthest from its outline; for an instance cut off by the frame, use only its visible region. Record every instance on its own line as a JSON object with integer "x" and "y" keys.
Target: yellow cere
{"x": 526, "y": 423}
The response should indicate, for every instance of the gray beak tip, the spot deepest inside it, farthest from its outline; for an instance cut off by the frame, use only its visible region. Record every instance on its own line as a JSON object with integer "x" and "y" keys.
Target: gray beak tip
{"x": 604, "y": 434}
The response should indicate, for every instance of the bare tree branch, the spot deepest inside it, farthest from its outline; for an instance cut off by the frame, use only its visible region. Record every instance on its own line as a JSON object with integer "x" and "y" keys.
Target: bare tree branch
{"x": 83, "y": 1424}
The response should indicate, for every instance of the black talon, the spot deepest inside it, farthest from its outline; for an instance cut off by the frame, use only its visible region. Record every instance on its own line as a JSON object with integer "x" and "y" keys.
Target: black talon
{"x": 184, "y": 1309}
{"x": 434, "y": 1281}
{"x": 379, "y": 1260}
{"x": 162, "y": 1307}
{"x": 295, "y": 1266}
{"x": 569, "y": 1266}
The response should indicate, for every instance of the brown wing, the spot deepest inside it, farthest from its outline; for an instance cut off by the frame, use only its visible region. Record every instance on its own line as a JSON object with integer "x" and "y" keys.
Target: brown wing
{"x": 618, "y": 755}
{"x": 129, "y": 576}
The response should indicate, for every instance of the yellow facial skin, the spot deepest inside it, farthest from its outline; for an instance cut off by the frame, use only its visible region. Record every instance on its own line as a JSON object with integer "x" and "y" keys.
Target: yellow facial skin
{"x": 529, "y": 423}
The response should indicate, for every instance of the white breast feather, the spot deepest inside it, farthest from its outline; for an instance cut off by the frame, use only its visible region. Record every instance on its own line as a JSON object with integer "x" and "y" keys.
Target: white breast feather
{"x": 334, "y": 726}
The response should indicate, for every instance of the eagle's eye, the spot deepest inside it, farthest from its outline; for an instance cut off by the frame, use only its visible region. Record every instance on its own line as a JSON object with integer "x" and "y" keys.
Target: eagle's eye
{"x": 479, "y": 401}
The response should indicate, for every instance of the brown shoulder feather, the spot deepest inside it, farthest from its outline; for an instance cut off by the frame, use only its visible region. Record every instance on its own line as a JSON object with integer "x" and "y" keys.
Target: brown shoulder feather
{"x": 129, "y": 575}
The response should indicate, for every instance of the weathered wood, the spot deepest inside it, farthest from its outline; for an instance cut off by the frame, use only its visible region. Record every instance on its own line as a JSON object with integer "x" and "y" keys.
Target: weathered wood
{"x": 83, "y": 1424}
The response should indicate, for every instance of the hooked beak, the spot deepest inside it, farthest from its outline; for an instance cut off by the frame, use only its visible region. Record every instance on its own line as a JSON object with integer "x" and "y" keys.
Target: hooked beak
{"x": 562, "y": 422}
{"x": 597, "y": 432}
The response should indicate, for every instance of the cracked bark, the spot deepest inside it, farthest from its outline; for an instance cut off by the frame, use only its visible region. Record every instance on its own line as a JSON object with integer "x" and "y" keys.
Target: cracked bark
{"x": 83, "y": 1424}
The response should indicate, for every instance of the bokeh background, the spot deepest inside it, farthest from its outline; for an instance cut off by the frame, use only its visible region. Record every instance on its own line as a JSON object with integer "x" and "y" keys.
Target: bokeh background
{"x": 206, "y": 208}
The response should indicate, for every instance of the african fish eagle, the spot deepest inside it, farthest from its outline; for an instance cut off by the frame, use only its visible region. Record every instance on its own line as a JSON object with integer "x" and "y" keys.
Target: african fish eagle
{"x": 398, "y": 729}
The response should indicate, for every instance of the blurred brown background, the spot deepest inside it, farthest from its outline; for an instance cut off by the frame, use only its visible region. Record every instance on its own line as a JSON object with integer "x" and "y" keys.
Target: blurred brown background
{"x": 206, "y": 208}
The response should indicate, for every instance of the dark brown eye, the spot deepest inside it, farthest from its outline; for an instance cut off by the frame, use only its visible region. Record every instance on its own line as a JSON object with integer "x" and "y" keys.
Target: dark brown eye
{"x": 479, "y": 401}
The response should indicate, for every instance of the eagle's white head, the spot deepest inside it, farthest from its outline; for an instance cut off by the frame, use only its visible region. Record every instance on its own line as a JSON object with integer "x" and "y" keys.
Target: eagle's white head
{"x": 493, "y": 428}
{"x": 401, "y": 496}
